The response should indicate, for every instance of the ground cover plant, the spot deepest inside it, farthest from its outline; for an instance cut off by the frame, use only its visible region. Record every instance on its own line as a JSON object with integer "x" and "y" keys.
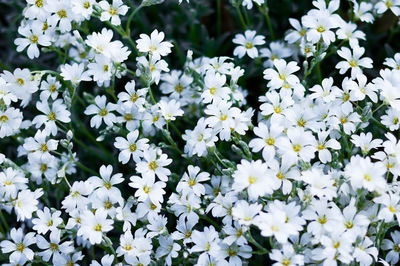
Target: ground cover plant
{"x": 225, "y": 132}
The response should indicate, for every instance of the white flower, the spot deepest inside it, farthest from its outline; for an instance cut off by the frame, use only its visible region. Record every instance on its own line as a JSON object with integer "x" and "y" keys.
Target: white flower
{"x": 83, "y": 8}
{"x": 286, "y": 256}
{"x": 362, "y": 11}
{"x": 393, "y": 245}
{"x": 266, "y": 141}
{"x": 327, "y": 92}
{"x": 256, "y": 177}
{"x": 39, "y": 146}
{"x": 383, "y": 5}
{"x": 10, "y": 121}
{"x": 62, "y": 14}
{"x": 20, "y": 83}
{"x": 283, "y": 76}
{"x": 353, "y": 61}
{"x": 199, "y": 139}
{"x": 102, "y": 112}
{"x": 27, "y": 203}
{"x": 93, "y": 226}
{"x": 75, "y": 73}
{"x": 32, "y": 36}
{"x": 249, "y": 3}
{"x": 191, "y": 181}
{"x": 19, "y": 245}
{"x": 170, "y": 110}
{"x": 365, "y": 174}
{"x": 154, "y": 45}
{"x": 274, "y": 224}
{"x": 320, "y": 26}
{"x": 113, "y": 11}
{"x": 131, "y": 146}
{"x": 245, "y": 212}
{"x": 46, "y": 221}
{"x": 57, "y": 112}
{"x": 154, "y": 163}
{"x": 299, "y": 144}
{"x": 148, "y": 188}
{"x": 53, "y": 247}
{"x": 215, "y": 88}
{"x": 247, "y": 43}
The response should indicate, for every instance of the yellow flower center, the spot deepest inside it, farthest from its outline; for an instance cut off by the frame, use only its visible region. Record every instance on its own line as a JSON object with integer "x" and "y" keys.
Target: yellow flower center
{"x": 19, "y": 247}
{"x": 128, "y": 117}
{"x": 321, "y": 146}
{"x": 53, "y": 247}
{"x": 389, "y": 4}
{"x": 248, "y": 45}
{"x": 274, "y": 228}
{"x": 367, "y": 177}
{"x": 353, "y": 63}
{"x": 270, "y": 141}
{"x": 146, "y": 189}
{"x": 3, "y": 118}
{"x": 280, "y": 176}
{"x": 51, "y": 116}
{"x": 45, "y": 26}
{"x": 343, "y": 120}
{"x": 232, "y": 253}
{"x": 33, "y": 39}
{"x": 103, "y": 112}
{"x": 296, "y": 147}
{"x": 153, "y": 165}
{"x": 97, "y": 228}
{"x": 321, "y": 29}
{"x": 132, "y": 147}
{"x": 53, "y": 88}
{"x": 62, "y": 13}
{"x": 43, "y": 147}
{"x": 179, "y": 88}
{"x": 278, "y": 109}
{"x": 152, "y": 48}
{"x": 252, "y": 179}
{"x": 107, "y": 185}
{"x": 392, "y": 209}
{"x": 134, "y": 97}
{"x": 192, "y": 182}
{"x": 107, "y": 205}
{"x": 105, "y": 68}
{"x": 213, "y": 90}
{"x": 301, "y": 122}
{"x": 43, "y": 167}
{"x": 286, "y": 262}
{"x": 349, "y": 224}
{"x": 39, "y": 3}
{"x": 322, "y": 220}
{"x": 113, "y": 11}
{"x": 86, "y": 5}
{"x": 128, "y": 247}
{"x": 50, "y": 223}
{"x": 20, "y": 81}
{"x": 223, "y": 117}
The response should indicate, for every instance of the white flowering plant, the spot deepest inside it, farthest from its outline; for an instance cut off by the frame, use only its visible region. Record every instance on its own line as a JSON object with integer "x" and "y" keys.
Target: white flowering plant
{"x": 227, "y": 132}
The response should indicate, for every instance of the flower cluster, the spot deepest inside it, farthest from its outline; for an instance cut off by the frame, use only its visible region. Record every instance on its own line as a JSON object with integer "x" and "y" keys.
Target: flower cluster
{"x": 121, "y": 156}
